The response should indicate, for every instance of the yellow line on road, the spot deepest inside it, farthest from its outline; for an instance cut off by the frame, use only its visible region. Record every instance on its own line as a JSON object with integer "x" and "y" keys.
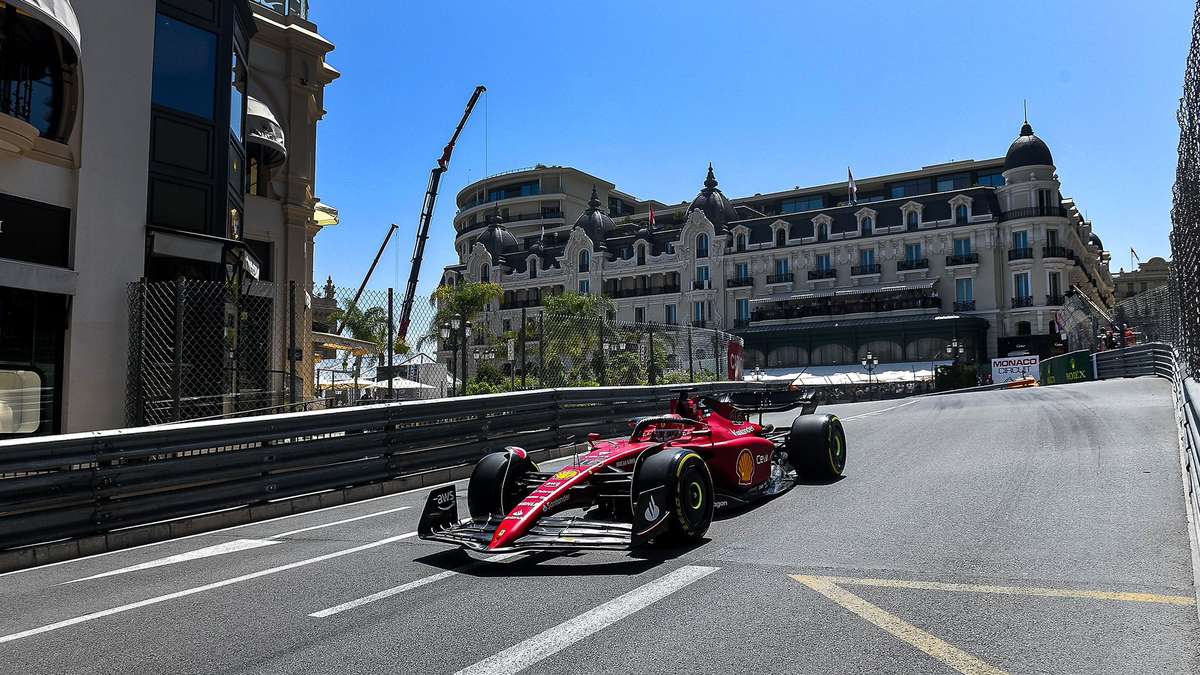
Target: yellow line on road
{"x": 1015, "y": 590}
{"x": 935, "y": 647}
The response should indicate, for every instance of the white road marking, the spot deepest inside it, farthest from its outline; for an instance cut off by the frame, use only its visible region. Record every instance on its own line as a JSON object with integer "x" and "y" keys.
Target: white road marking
{"x": 207, "y": 552}
{"x": 551, "y": 641}
{"x": 877, "y": 412}
{"x": 401, "y": 588}
{"x": 200, "y": 589}
{"x": 338, "y": 522}
{"x": 930, "y": 644}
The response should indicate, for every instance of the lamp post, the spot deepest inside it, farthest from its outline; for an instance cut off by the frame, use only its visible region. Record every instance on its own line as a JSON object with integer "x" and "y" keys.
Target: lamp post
{"x": 955, "y": 350}
{"x": 444, "y": 332}
{"x": 870, "y": 363}
{"x": 466, "y": 335}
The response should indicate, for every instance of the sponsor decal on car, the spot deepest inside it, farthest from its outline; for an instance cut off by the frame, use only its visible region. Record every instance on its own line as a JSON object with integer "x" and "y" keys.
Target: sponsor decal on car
{"x": 566, "y": 474}
{"x": 720, "y": 504}
{"x": 761, "y": 459}
{"x": 743, "y": 431}
{"x": 745, "y": 467}
{"x": 652, "y": 511}
{"x": 557, "y": 502}
{"x": 444, "y": 500}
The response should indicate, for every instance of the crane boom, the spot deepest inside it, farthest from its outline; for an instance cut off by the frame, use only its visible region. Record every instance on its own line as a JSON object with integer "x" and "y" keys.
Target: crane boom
{"x": 431, "y": 192}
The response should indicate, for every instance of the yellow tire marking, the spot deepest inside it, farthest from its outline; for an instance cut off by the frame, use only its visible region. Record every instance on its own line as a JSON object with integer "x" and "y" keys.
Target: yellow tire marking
{"x": 1185, "y": 600}
{"x": 933, "y": 646}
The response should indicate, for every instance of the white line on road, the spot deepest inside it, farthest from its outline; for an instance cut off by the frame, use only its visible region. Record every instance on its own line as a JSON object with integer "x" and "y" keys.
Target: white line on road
{"x": 877, "y": 412}
{"x": 207, "y": 552}
{"x": 402, "y": 588}
{"x": 550, "y": 642}
{"x": 200, "y": 589}
{"x": 338, "y": 522}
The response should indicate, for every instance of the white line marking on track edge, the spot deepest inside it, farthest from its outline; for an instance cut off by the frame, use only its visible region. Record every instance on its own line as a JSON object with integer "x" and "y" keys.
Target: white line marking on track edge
{"x": 549, "y": 642}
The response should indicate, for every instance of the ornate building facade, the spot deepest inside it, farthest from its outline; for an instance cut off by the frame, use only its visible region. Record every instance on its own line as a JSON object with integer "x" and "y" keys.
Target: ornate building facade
{"x": 982, "y": 252}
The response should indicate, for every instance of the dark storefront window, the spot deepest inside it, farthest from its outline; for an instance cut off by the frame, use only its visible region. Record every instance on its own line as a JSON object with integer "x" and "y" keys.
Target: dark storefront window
{"x": 237, "y": 97}
{"x": 32, "y": 326}
{"x": 185, "y": 67}
{"x": 35, "y": 72}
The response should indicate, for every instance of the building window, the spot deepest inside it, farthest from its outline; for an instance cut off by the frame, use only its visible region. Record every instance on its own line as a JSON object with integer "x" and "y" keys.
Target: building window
{"x": 532, "y": 265}
{"x": 484, "y": 273}
{"x": 741, "y": 243}
{"x": 822, "y": 232}
{"x": 702, "y": 246}
{"x": 913, "y": 220}
{"x": 912, "y": 252}
{"x": 743, "y": 309}
{"x": 1021, "y": 287}
{"x": 866, "y": 225}
{"x": 781, "y": 237}
{"x": 1054, "y": 285}
{"x": 585, "y": 261}
{"x": 641, "y": 254}
{"x": 702, "y": 276}
{"x": 1044, "y": 199}
{"x": 824, "y": 263}
{"x": 237, "y": 98}
{"x": 671, "y": 314}
{"x": 960, "y": 214}
{"x": 258, "y": 170}
{"x": 781, "y": 266}
{"x": 962, "y": 246}
{"x": 964, "y": 290}
{"x": 185, "y": 67}
{"x": 802, "y": 204}
{"x": 585, "y": 286}
{"x": 957, "y": 181}
{"x": 1024, "y": 328}
{"x": 698, "y": 311}
{"x": 1052, "y": 237}
{"x": 991, "y": 179}
{"x": 526, "y": 189}
{"x": 866, "y": 257}
{"x": 639, "y": 314}
{"x": 36, "y": 69}
{"x": 743, "y": 270}
{"x": 910, "y": 188}
{"x": 1020, "y": 239}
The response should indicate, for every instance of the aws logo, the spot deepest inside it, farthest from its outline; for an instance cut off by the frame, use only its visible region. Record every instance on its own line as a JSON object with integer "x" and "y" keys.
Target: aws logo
{"x": 745, "y": 468}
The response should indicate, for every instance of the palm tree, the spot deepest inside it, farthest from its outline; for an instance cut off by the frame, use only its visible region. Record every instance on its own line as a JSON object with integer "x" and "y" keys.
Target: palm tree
{"x": 464, "y": 301}
{"x": 572, "y": 325}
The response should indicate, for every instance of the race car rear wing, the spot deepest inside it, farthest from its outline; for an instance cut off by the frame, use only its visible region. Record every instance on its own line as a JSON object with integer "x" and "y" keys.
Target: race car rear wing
{"x": 760, "y": 401}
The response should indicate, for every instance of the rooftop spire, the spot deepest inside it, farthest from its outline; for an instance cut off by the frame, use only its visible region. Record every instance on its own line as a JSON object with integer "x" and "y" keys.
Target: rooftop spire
{"x": 1026, "y": 130}
{"x": 594, "y": 202}
{"x": 711, "y": 181}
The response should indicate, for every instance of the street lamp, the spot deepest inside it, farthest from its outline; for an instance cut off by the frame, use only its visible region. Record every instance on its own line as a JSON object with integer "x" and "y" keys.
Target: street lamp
{"x": 955, "y": 350}
{"x": 870, "y": 363}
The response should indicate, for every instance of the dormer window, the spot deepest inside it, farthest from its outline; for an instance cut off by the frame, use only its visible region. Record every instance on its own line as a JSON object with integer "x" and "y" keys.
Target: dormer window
{"x": 740, "y": 243}
{"x": 485, "y": 272}
{"x": 641, "y": 254}
{"x": 866, "y": 226}
{"x": 822, "y": 232}
{"x": 781, "y": 237}
{"x": 585, "y": 261}
{"x": 912, "y": 221}
{"x": 532, "y": 264}
{"x": 961, "y": 213}
{"x": 702, "y": 245}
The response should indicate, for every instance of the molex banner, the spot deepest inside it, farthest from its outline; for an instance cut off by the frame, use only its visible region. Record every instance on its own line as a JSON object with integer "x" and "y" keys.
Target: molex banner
{"x": 1012, "y": 368}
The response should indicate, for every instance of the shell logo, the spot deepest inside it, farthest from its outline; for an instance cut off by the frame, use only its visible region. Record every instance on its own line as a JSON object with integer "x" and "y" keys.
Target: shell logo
{"x": 566, "y": 473}
{"x": 745, "y": 468}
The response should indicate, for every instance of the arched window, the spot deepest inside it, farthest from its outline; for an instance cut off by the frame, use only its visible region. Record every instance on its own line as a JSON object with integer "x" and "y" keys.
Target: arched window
{"x": 866, "y": 226}
{"x": 532, "y": 264}
{"x": 485, "y": 272}
{"x": 36, "y": 74}
{"x": 822, "y": 232}
{"x": 913, "y": 220}
{"x": 781, "y": 237}
{"x": 702, "y": 245}
{"x": 641, "y": 254}
{"x": 960, "y": 214}
{"x": 740, "y": 242}
{"x": 585, "y": 261}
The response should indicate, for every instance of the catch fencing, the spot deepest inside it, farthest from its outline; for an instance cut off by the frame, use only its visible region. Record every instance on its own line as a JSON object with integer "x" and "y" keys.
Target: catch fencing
{"x": 81, "y": 484}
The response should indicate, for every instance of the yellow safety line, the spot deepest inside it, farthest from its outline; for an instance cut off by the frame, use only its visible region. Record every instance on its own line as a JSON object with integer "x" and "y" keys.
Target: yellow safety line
{"x": 1017, "y": 590}
{"x": 933, "y": 646}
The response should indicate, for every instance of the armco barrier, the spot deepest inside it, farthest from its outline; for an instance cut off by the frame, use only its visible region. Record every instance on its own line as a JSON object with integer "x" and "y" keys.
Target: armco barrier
{"x": 1155, "y": 358}
{"x": 74, "y": 485}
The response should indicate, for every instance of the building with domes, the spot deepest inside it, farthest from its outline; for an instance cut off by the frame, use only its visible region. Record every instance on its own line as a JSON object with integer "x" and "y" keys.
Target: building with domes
{"x": 979, "y": 251}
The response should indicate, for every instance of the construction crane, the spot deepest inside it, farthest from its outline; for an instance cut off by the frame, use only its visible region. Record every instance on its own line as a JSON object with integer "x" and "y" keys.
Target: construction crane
{"x": 435, "y": 178}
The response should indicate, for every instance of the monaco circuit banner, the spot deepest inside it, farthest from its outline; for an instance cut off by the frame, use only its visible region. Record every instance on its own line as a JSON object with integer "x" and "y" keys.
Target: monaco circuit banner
{"x": 1011, "y": 368}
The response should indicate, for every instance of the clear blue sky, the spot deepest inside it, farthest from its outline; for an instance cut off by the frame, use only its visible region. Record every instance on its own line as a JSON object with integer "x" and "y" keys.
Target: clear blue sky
{"x": 774, "y": 94}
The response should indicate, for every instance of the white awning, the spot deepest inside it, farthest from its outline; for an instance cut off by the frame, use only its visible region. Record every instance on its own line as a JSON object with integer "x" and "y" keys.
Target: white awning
{"x": 325, "y": 215}
{"x": 264, "y": 129}
{"x": 57, "y": 14}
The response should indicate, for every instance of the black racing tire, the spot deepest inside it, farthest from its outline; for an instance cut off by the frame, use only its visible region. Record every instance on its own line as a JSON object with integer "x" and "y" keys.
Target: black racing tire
{"x": 816, "y": 446}
{"x": 691, "y": 487}
{"x": 489, "y": 478}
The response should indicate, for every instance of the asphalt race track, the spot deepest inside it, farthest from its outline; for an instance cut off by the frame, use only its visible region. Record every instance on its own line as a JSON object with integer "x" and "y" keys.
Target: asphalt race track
{"x": 1026, "y": 531}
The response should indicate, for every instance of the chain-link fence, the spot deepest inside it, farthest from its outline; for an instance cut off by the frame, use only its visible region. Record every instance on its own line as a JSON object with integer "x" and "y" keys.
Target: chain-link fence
{"x": 1185, "y": 214}
{"x": 200, "y": 349}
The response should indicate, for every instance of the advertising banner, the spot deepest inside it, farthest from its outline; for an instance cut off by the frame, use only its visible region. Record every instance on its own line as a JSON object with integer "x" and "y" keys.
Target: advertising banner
{"x": 735, "y": 361}
{"x": 1011, "y": 368}
{"x": 1072, "y": 367}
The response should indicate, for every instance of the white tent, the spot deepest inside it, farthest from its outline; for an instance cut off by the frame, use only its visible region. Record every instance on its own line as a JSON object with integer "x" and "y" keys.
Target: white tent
{"x": 916, "y": 371}
{"x": 397, "y": 383}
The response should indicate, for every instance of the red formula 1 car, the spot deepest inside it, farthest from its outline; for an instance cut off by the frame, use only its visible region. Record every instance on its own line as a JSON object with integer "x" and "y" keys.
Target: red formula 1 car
{"x": 664, "y": 482}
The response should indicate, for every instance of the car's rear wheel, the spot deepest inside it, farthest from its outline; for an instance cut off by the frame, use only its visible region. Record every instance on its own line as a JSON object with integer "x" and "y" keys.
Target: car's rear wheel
{"x": 692, "y": 490}
{"x": 816, "y": 446}
{"x": 493, "y": 488}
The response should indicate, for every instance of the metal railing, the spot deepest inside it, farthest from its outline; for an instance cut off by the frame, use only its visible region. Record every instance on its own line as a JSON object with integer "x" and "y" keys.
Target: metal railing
{"x": 739, "y": 282}
{"x": 814, "y": 275}
{"x": 1020, "y": 253}
{"x": 59, "y": 487}
{"x": 964, "y": 305}
{"x": 1056, "y": 252}
{"x": 962, "y": 259}
{"x": 862, "y": 270}
{"x": 298, "y": 8}
{"x": 919, "y": 264}
{"x": 786, "y": 278}
{"x": 1035, "y": 212}
{"x": 1022, "y": 301}
{"x": 1055, "y": 299}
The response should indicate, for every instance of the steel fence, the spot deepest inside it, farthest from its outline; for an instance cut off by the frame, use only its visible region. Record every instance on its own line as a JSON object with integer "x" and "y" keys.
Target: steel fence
{"x": 1185, "y": 214}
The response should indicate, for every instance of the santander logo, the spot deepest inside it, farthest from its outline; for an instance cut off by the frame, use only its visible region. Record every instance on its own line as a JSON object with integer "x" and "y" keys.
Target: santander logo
{"x": 652, "y": 511}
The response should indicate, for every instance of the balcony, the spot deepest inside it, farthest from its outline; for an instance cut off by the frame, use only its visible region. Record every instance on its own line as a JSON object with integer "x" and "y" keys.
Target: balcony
{"x": 639, "y": 292}
{"x": 1020, "y": 254}
{"x": 1022, "y": 301}
{"x": 1054, "y": 299}
{"x": 863, "y": 270}
{"x": 1056, "y": 252}
{"x": 964, "y": 305}
{"x": 297, "y": 8}
{"x": 814, "y": 275}
{"x": 835, "y": 307}
{"x": 702, "y": 285}
{"x": 739, "y": 282}
{"x": 962, "y": 259}
{"x": 698, "y": 323}
{"x": 908, "y": 265}
{"x": 782, "y": 278}
{"x": 1035, "y": 212}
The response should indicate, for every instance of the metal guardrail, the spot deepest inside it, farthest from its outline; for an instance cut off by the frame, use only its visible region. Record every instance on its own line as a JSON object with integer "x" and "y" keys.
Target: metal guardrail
{"x": 1154, "y": 358}
{"x": 75, "y": 485}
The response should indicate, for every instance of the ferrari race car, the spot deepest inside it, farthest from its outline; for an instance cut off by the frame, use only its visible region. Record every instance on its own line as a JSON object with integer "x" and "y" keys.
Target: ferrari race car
{"x": 663, "y": 483}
